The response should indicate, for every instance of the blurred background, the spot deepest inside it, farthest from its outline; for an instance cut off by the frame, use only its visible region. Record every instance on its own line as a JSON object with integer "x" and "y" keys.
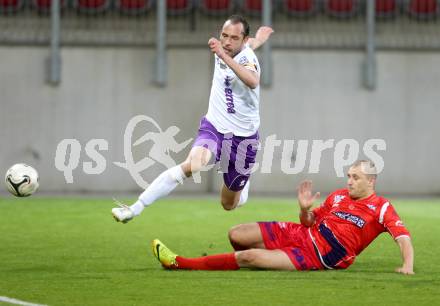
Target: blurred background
{"x": 334, "y": 69}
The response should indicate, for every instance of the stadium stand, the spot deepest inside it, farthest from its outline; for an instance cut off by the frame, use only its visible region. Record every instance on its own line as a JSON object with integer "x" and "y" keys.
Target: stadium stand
{"x": 420, "y": 9}
{"x": 400, "y": 24}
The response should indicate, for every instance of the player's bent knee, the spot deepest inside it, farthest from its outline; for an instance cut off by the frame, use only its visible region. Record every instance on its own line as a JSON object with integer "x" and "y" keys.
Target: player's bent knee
{"x": 229, "y": 201}
{"x": 195, "y": 166}
{"x": 228, "y": 204}
{"x": 234, "y": 234}
{"x": 191, "y": 166}
{"x": 238, "y": 238}
{"x": 186, "y": 167}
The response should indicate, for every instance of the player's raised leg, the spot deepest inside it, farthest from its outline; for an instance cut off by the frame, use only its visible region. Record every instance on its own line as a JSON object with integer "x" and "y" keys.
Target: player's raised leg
{"x": 232, "y": 199}
{"x": 241, "y": 158}
{"x": 228, "y": 198}
{"x": 166, "y": 182}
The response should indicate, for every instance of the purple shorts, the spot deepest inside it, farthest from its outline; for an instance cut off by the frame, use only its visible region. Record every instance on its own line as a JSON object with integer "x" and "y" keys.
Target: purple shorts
{"x": 236, "y": 154}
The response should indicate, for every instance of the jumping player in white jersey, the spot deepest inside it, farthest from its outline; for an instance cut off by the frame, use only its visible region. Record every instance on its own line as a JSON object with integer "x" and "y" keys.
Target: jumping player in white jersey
{"x": 229, "y": 131}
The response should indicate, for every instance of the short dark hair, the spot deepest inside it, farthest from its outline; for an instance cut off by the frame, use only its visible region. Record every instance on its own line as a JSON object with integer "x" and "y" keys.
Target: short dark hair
{"x": 234, "y": 19}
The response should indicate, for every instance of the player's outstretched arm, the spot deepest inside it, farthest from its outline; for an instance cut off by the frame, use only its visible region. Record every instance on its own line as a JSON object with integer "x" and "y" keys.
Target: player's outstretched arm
{"x": 250, "y": 78}
{"x": 262, "y": 35}
{"x": 407, "y": 252}
{"x": 305, "y": 201}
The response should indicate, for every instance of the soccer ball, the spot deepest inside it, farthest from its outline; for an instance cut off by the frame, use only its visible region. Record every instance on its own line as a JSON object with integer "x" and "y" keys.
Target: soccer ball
{"x": 21, "y": 180}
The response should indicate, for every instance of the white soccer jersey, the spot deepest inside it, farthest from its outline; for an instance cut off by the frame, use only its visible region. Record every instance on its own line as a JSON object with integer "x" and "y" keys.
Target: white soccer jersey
{"x": 233, "y": 106}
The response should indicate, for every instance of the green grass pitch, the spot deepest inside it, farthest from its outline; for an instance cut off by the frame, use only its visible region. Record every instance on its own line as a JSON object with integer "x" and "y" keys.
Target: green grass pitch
{"x": 71, "y": 252}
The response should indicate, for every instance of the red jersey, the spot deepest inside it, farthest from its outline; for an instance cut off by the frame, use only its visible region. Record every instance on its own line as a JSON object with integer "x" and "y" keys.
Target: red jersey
{"x": 344, "y": 226}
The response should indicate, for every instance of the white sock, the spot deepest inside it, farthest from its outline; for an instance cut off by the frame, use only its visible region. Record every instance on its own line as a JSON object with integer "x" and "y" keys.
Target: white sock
{"x": 160, "y": 187}
{"x": 244, "y": 195}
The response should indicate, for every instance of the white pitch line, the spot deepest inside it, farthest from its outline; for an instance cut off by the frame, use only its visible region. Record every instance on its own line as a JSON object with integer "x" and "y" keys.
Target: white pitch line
{"x": 17, "y": 302}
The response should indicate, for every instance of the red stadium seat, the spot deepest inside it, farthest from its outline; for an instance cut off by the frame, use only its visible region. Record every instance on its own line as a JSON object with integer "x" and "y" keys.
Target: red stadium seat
{"x": 45, "y": 5}
{"x": 176, "y": 7}
{"x": 342, "y": 8}
{"x": 91, "y": 6}
{"x": 386, "y": 8}
{"x": 10, "y": 6}
{"x": 252, "y": 7}
{"x": 133, "y": 7}
{"x": 423, "y": 9}
{"x": 217, "y": 7}
{"x": 300, "y": 7}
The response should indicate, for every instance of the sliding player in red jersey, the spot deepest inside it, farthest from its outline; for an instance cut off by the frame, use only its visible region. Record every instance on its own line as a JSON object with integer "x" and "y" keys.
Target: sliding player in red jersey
{"x": 329, "y": 236}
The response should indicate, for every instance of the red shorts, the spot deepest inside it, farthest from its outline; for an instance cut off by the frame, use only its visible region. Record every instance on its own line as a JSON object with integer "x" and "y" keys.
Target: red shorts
{"x": 294, "y": 240}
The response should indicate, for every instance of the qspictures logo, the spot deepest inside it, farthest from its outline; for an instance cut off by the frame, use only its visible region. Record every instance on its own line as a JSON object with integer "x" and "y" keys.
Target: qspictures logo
{"x": 163, "y": 143}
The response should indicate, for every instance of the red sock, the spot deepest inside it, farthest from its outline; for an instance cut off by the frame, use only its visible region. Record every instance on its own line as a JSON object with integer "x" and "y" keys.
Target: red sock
{"x": 213, "y": 262}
